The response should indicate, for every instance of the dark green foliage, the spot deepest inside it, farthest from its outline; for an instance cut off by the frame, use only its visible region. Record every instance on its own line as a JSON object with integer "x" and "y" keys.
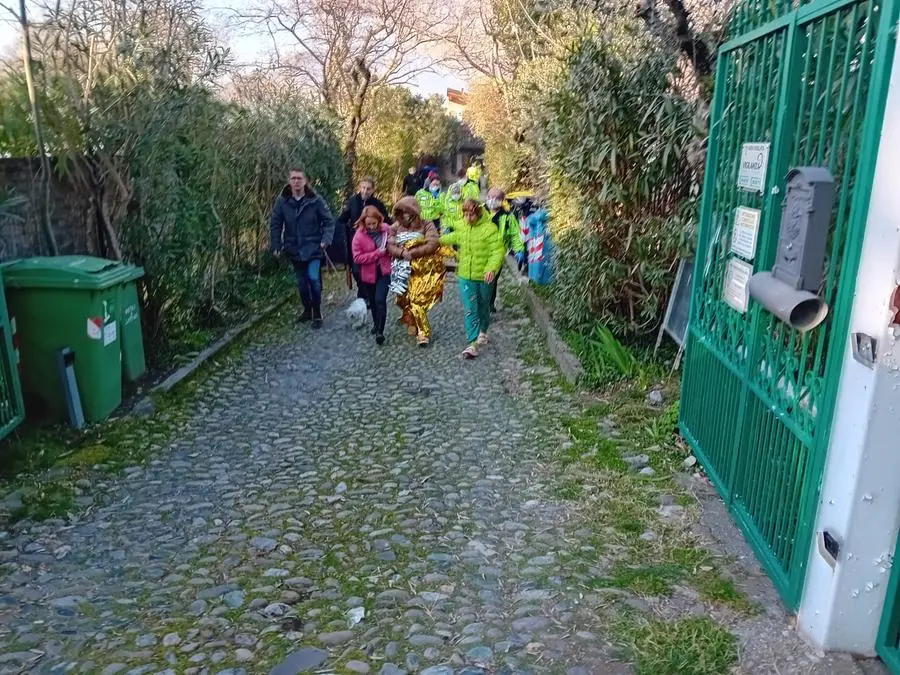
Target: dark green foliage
{"x": 622, "y": 189}
{"x": 207, "y": 174}
{"x": 188, "y": 179}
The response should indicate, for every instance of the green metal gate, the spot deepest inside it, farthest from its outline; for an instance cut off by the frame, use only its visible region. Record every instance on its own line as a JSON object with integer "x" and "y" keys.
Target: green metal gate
{"x": 810, "y": 79}
{"x": 12, "y": 410}
{"x": 888, "y": 642}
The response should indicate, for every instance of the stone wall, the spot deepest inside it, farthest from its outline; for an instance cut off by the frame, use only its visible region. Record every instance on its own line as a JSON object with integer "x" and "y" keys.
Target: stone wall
{"x": 71, "y": 214}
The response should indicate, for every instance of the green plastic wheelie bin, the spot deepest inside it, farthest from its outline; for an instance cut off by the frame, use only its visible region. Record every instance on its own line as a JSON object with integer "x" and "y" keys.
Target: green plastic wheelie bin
{"x": 12, "y": 408}
{"x": 76, "y": 302}
{"x": 134, "y": 364}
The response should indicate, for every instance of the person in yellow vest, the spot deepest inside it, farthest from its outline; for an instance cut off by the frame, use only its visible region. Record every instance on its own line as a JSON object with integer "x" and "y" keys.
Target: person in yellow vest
{"x": 471, "y": 189}
{"x": 452, "y": 208}
{"x": 510, "y": 237}
{"x": 431, "y": 202}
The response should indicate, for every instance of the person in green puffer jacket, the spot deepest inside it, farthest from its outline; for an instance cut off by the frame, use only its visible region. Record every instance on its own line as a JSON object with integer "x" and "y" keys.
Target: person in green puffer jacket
{"x": 479, "y": 258}
{"x": 431, "y": 202}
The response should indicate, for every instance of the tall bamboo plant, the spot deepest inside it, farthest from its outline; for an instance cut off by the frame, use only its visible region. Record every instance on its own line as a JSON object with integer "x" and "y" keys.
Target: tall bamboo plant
{"x": 617, "y": 146}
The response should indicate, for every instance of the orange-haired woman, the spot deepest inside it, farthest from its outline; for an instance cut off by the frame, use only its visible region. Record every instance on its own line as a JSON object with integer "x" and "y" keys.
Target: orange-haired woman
{"x": 371, "y": 255}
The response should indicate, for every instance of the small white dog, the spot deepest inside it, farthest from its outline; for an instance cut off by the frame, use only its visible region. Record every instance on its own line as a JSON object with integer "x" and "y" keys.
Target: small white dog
{"x": 357, "y": 313}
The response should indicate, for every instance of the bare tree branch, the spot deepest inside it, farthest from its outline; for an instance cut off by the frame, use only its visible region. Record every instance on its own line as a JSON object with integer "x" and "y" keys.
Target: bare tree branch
{"x": 9, "y": 9}
{"x": 28, "y": 62}
{"x": 347, "y": 50}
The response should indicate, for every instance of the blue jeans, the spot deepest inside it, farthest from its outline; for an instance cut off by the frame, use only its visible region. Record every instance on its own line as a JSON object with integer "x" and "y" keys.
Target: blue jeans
{"x": 309, "y": 282}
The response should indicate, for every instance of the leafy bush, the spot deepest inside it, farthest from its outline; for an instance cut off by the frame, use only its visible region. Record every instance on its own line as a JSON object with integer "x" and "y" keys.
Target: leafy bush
{"x": 619, "y": 279}
{"x": 621, "y": 187}
{"x": 206, "y": 174}
{"x": 603, "y": 357}
{"x": 186, "y": 179}
{"x": 400, "y": 128}
{"x": 488, "y": 114}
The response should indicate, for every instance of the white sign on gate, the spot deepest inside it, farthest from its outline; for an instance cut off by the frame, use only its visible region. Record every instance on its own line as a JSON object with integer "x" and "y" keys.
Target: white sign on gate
{"x": 737, "y": 276}
{"x": 754, "y": 164}
{"x": 743, "y": 234}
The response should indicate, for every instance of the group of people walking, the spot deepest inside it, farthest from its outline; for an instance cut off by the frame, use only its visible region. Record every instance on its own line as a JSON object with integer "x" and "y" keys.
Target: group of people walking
{"x": 404, "y": 251}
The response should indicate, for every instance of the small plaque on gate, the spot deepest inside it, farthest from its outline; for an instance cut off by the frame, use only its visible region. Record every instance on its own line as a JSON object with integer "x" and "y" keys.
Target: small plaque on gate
{"x": 737, "y": 276}
{"x": 753, "y": 167}
{"x": 743, "y": 234}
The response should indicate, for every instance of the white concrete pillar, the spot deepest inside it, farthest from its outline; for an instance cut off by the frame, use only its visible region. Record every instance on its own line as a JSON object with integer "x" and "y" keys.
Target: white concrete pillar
{"x": 860, "y": 499}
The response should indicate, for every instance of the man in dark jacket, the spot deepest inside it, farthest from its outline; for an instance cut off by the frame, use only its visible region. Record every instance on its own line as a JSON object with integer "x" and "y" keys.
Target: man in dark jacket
{"x": 364, "y": 197}
{"x": 412, "y": 184}
{"x": 302, "y": 228}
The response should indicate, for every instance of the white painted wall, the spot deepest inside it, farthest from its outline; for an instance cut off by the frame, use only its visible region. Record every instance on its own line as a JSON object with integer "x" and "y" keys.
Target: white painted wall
{"x": 860, "y": 498}
{"x": 454, "y": 109}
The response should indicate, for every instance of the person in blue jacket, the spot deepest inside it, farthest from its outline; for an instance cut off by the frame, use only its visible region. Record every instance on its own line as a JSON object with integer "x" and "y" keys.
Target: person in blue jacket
{"x": 301, "y": 228}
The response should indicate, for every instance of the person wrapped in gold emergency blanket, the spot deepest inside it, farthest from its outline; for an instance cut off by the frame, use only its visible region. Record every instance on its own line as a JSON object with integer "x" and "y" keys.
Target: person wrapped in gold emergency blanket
{"x": 416, "y": 242}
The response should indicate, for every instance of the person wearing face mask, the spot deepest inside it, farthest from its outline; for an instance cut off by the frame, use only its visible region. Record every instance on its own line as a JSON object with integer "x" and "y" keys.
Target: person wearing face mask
{"x": 451, "y": 210}
{"x": 365, "y": 196}
{"x": 510, "y": 238}
{"x": 430, "y": 201}
{"x": 430, "y": 174}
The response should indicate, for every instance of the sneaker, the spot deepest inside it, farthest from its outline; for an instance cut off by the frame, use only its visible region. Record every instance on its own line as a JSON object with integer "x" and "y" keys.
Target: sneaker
{"x": 482, "y": 340}
{"x": 305, "y": 316}
{"x": 470, "y": 352}
{"x": 422, "y": 341}
{"x": 379, "y": 340}
{"x": 317, "y": 317}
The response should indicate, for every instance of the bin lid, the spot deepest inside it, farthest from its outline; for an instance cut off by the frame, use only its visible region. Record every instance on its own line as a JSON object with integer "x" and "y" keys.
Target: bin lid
{"x": 69, "y": 271}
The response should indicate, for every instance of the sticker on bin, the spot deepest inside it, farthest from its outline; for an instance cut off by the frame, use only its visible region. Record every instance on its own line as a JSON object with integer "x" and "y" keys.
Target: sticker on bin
{"x": 110, "y": 332}
{"x": 95, "y": 327}
{"x": 131, "y": 315}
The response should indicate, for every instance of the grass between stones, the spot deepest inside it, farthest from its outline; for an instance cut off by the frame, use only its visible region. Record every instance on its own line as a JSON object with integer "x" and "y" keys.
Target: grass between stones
{"x": 48, "y": 468}
{"x": 649, "y": 563}
{"x": 47, "y": 472}
{"x": 587, "y": 437}
{"x": 690, "y": 646}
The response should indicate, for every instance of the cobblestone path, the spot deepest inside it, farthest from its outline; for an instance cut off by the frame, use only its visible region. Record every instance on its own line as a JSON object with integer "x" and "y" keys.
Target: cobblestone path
{"x": 322, "y": 481}
{"x": 331, "y": 507}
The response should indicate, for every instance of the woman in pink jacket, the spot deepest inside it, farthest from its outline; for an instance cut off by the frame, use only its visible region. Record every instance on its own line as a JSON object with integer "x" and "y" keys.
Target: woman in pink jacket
{"x": 371, "y": 255}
